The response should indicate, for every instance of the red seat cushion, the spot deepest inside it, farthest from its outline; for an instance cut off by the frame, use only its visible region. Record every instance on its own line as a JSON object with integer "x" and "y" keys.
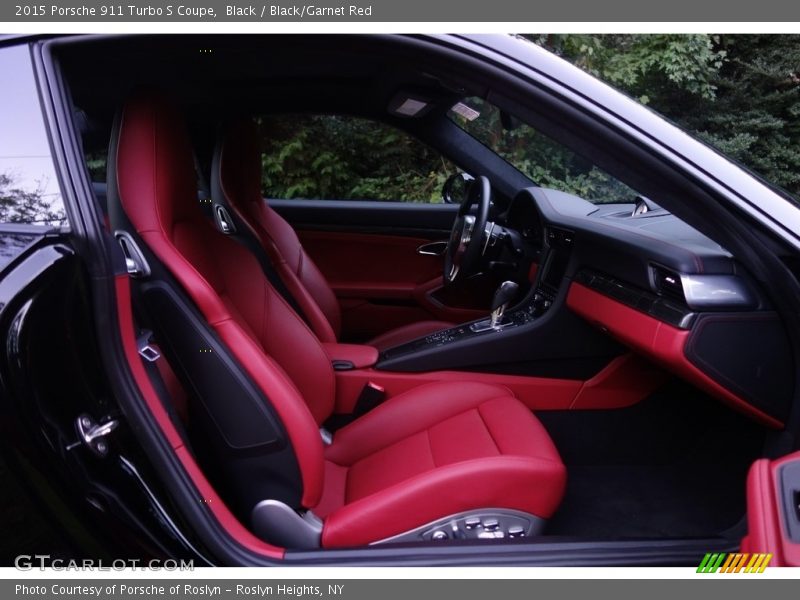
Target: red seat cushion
{"x": 434, "y": 451}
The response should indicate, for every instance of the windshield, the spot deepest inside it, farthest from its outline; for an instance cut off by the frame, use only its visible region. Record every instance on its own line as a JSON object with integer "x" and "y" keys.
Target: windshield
{"x": 546, "y": 162}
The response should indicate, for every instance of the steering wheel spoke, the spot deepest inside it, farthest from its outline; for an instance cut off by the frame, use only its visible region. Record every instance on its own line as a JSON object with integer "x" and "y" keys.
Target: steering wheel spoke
{"x": 467, "y": 238}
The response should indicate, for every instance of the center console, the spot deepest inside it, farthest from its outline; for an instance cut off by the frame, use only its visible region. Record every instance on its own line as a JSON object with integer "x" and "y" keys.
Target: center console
{"x": 548, "y": 285}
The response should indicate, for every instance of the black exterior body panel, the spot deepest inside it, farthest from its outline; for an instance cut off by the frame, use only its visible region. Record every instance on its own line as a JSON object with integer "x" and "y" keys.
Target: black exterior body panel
{"x": 73, "y": 503}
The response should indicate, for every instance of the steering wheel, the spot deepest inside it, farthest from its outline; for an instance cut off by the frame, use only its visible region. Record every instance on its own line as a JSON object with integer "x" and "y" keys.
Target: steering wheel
{"x": 467, "y": 237}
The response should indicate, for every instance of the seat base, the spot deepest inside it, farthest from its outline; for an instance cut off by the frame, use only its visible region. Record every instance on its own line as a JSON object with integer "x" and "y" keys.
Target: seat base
{"x": 491, "y": 524}
{"x": 277, "y": 523}
{"x": 438, "y": 450}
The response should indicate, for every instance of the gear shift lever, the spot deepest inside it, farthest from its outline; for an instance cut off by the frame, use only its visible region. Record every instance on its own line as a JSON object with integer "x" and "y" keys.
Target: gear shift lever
{"x": 502, "y": 297}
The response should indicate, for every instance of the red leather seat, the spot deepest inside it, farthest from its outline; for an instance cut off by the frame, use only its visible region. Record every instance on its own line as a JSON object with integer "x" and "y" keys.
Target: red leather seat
{"x": 432, "y": 452}
{"x": 236, "y": 182}
{"x": 440, "y": 449}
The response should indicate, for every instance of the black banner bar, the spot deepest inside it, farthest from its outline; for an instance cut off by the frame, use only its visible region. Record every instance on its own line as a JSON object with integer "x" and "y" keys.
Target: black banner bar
{"x": 472, "y": 11}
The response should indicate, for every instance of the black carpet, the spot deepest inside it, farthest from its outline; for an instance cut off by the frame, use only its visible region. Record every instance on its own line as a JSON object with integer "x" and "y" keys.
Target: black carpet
{"x": 672, "y": 466}
{"x": 649, "y": 501}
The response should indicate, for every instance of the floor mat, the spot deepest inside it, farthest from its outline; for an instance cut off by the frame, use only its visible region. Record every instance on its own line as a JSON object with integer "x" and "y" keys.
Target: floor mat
{"x": 649, "y": 501}
{"x": 674, "y": 465}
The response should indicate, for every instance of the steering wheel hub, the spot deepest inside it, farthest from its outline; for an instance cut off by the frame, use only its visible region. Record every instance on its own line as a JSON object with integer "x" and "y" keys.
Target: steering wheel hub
{"x": 459, "y": 241}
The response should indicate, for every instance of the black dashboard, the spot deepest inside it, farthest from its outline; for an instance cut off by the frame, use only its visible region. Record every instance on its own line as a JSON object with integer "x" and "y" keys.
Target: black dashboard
{"x": 704, "y": 316}
{"x": 642, "y": 278}
{"x": 648, "y": 250}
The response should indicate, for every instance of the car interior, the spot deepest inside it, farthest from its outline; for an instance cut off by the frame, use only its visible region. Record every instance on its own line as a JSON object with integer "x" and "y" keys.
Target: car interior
{"x": 512, "y": 363}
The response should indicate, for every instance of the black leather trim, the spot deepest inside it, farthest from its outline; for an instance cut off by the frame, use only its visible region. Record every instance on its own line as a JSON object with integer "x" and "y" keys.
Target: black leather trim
{"x": 747, "y": 353}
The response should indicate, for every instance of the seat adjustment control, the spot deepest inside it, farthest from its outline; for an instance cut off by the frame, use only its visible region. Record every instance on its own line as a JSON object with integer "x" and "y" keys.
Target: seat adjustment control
{"x": 484, "y": 524}
{"x": 472, "y": 522}
{"x": 490, "y": 524}
{"x": 516, "y": 531}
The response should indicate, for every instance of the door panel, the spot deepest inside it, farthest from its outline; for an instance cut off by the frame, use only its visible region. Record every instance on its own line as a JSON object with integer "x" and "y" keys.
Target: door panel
{"x": 368, "y": 252}
{"x": 359, "y": 265}
{"x": 382, "y": 282}
{"x": 773, "y": 510}
{"x": 429, "y": 221}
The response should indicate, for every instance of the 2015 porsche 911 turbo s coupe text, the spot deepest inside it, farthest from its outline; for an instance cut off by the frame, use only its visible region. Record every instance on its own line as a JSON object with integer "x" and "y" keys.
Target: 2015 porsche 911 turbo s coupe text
{"x": 240, "y": 326}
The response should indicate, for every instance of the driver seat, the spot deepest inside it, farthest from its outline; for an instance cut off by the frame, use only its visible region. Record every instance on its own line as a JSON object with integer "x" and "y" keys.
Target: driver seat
{"x": 236, "y": 184}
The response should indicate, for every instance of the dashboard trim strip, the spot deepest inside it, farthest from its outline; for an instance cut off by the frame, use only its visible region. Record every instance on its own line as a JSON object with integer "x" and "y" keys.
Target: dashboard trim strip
{"x": 657, "y": 340}
{"x": 661, "y": 309}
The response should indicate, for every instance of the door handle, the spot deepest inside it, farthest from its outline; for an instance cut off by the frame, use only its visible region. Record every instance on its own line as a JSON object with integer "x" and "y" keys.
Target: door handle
{"x": 433, "y": 248}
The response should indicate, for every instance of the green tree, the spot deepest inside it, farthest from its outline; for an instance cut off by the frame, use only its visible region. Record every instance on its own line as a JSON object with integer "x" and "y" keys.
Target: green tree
{"x": 740, "y": 93}
{"x": 336, "y": 157}
{"x": 755, "y": 115}
{"x": 646, "y": 66}
{"x": 20, "y": 205}
{"x": 548, "y": 163}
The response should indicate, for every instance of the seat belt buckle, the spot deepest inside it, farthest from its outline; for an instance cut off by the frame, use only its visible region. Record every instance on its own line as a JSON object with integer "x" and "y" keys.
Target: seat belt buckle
{"x": 370, "y": 397}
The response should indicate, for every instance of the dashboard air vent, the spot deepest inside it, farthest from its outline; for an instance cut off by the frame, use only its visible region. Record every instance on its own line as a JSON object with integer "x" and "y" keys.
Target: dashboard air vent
{"x": 668, "y": 283}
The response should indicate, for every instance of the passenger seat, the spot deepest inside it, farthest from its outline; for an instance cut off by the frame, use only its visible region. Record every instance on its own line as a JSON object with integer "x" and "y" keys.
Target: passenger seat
{"x": 441, "y": 461}
{"x": 236, "y": 184}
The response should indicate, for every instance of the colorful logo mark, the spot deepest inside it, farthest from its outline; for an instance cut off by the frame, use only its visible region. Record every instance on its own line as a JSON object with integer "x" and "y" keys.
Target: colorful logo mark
{"x": 734, "y": 563}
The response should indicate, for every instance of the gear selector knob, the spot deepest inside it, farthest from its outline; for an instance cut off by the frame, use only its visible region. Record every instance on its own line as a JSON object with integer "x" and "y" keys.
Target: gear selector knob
{"x": 502, "y": 298}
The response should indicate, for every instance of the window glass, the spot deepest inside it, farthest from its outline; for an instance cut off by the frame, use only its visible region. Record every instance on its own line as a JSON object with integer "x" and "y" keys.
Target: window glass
{"x": 347, "y": 158}
{"x": 29, "y": 191}
{"x": 96, "y": 164}
{"x": 545, "y": 161}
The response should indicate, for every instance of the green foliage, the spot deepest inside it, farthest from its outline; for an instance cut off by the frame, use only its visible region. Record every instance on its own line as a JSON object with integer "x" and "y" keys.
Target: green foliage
{"x": 96, "y": 163}
{"x": 645, "y": 65}
{"x": 755, "y": 117}
{"x": 740, "y": 93}
{"x": 347, "y": 158}
{"x": 545, "y": 161}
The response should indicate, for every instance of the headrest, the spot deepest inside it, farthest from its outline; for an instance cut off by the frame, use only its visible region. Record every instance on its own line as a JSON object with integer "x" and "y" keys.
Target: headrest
{"x": 155, "y": 175}
{"x": 236, "y": 169}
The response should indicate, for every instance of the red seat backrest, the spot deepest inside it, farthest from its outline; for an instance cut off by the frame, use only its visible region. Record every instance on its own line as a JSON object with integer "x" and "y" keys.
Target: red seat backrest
{"x": 156, "y": 182}
{"x": 238, "y": 178}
